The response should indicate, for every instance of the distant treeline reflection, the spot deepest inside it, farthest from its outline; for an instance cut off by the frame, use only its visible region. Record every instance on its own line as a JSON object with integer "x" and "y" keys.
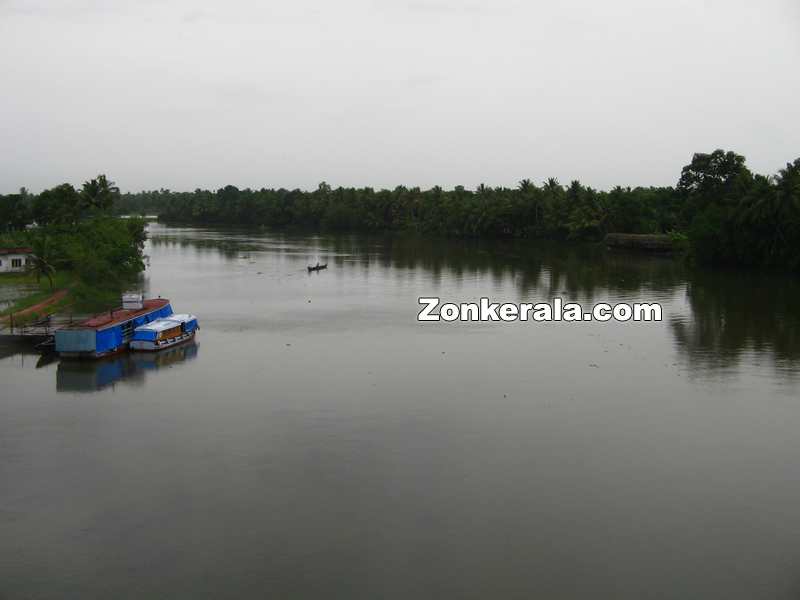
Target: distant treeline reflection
{"x": 549, "y": 268}
{"x": 723, "y": 314}
{"x": 733, "y": 314}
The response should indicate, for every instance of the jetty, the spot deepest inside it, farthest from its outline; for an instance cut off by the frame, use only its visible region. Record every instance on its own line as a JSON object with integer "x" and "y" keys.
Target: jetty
{"x": 30, "y": 325}
{"x": 32, "y": 332}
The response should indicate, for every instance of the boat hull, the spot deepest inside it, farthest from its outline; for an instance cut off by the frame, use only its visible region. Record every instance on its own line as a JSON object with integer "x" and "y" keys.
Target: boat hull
{"x": 93, "y": 355}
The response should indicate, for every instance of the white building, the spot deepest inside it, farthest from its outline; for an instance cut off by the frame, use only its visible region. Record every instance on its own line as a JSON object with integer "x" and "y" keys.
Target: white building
{"x": 14, "y": 260}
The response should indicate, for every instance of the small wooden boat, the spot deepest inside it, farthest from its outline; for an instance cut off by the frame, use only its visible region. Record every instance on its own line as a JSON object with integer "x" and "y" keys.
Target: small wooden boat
{"x": 164, "y": 333}
{"x": 317, "y": 267}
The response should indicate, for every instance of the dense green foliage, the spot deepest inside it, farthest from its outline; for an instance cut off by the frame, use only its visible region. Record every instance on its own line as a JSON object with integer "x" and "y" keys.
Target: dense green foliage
{"x": 15, "y": 211}
{"x": 75, "y": 232}
{"x": 727, "y": 214}
{"x": 736, "y": 217}
{"x": 551, "y": 211}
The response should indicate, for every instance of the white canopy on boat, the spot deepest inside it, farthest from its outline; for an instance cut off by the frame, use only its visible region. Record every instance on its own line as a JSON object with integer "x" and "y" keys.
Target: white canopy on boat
{"x": 151, "y": 331}
{"x": 160, "y": 324}
{"x": 183, "y": 318}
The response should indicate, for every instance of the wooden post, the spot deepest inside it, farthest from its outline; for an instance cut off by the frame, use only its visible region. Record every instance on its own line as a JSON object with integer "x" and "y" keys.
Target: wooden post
{"x": 11, "y": 320}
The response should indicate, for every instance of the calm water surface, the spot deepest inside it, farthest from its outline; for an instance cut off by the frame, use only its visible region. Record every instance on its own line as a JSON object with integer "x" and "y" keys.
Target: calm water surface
{"x": 318, "y": 442}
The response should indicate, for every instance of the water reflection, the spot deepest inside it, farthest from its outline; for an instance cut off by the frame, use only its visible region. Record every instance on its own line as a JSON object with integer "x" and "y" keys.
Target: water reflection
{"x": 23, "y": 352}
{"x": 327, "y": 443}
{"x": 582, "y": 271}
{"x": 737, "y": 316}
{"x": 715, "y": 318}
{"x": 229, "y": 248}
{"x": 130, "y": 369}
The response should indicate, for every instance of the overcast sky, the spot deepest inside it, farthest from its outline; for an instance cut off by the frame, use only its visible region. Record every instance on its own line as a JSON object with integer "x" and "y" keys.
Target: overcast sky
{"x": 185, "y": 94}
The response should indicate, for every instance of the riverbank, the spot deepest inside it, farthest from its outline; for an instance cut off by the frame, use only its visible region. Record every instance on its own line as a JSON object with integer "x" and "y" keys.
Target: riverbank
{"x": 37, "y": 299}
{"x": 39, "y": 308}
{"x": 76, "y": 245}
{"x": 641, "y": 242}
{"x": 39, "y": 303}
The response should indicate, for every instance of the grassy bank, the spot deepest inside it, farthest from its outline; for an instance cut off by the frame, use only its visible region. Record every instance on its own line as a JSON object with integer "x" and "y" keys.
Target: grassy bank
{"x": 17, "y": 279}
{"x": 72, "y": 293}
{"x": 63, "y": 285}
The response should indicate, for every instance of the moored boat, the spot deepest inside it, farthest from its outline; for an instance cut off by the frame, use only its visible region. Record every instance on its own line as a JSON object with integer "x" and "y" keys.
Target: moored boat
{"x": 164, "y": 333}
{"x": 109, "y": 332}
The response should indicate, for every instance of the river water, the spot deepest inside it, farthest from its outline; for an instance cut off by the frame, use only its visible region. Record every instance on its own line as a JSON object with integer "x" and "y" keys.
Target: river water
{"x": 319, "y": 442}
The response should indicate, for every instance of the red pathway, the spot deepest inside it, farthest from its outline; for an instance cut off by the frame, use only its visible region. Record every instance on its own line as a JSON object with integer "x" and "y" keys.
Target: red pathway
{"x": 56, "y": 297}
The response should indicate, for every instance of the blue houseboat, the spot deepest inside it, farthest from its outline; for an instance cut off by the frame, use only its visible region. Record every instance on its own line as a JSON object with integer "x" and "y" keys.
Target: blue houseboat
{"x": 164, "y": 333}
{"x": 110, "y": 332}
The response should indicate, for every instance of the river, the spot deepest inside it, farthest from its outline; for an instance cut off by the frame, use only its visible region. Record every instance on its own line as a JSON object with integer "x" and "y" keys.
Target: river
{"x": 318, "y": 442}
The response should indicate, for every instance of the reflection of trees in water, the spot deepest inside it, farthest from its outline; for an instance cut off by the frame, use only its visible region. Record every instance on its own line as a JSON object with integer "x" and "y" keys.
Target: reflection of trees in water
{"x": 731, "y": 312}
{"x": 735, "y": 312}
{"x": 536, "y": 269}
{"x": 228, "y": 248}
{"x": 130, "y": 368}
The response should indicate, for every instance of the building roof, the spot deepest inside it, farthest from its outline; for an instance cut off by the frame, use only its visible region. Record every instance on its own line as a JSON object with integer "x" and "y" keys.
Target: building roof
{"x": 20, "y": 250}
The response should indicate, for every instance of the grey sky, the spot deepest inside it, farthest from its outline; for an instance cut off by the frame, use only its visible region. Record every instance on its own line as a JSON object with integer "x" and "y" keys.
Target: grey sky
{"x": 187, "y": 94}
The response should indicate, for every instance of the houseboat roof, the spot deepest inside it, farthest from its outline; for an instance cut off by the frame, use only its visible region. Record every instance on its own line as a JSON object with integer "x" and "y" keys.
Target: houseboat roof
{"x": 18, "y": 250}
{"x": 166, "y": 323}
{"x": 120, "y": 315}
{"x": 182, "y": 318}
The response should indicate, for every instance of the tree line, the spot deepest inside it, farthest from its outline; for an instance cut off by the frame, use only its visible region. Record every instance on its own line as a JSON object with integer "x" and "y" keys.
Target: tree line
{"x": 727, "y": 213}
{"x": 74, "y": 231}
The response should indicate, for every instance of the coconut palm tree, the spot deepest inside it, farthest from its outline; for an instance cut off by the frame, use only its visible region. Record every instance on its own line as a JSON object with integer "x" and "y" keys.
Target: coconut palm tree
{"x": 552, "y": 184}
{"x": 99, "y": 193}
{"x": 41, "y": 261}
